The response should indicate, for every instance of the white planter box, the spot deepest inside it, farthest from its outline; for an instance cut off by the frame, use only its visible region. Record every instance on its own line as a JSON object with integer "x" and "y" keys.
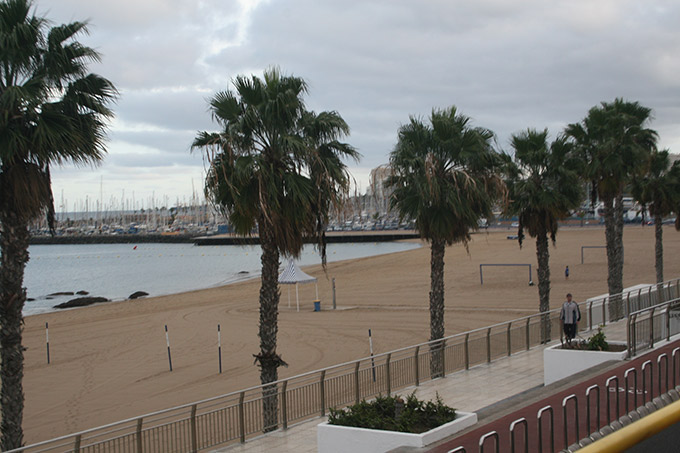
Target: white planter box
{"x": 559, "y": 363}
{"x": 341, "y": 439}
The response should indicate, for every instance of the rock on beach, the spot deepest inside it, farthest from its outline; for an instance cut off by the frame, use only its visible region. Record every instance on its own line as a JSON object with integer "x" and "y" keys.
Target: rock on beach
{"x": 81, "y": 302}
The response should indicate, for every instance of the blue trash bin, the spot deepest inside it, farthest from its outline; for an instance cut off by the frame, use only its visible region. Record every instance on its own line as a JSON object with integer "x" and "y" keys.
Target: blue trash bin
{"x": 317, "y": 305}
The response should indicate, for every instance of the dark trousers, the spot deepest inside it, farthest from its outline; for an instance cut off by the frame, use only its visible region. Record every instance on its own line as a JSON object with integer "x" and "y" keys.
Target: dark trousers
{"x": 570, "y": 331}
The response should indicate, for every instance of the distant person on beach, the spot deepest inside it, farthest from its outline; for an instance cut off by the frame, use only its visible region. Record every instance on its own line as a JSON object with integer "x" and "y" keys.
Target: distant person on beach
{"x": 566, "y": 273}
{"x": 570, "y": 316}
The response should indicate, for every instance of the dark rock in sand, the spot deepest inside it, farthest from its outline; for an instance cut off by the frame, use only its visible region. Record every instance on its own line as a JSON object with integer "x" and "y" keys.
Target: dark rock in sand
{"x": 61, "y": 293}
{"x": 81, "y": 302}
{"x": 30, "y": 299}
{"x": 137, "y": 294}
{"x": 243, "y": 272}
{"x": 82, "y": 293}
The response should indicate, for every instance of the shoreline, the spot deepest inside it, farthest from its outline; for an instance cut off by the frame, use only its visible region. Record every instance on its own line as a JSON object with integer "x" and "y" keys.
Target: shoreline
{"x": 45, "y": 303}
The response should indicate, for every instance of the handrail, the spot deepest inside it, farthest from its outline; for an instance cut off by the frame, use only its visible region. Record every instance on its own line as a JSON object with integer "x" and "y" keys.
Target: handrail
{"x": 637, "y": 319}
{"x": 239, "y": 399}
{"x": 656, "y": 307}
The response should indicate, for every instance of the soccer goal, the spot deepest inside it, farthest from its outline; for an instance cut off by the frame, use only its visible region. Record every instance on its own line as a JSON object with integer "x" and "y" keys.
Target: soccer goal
{"x": 591, "y": 247}
{"x": 481, "y": 270}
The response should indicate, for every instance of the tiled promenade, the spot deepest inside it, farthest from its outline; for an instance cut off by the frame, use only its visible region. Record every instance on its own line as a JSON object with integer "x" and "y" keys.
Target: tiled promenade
{"x": 469, "y": 391}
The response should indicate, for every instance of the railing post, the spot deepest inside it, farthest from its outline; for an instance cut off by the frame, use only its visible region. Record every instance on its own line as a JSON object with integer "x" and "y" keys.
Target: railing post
{"x": 194, "y": 436}
{"x": 639, "y": 299}
{"x": 528, "y": 334}
{"x": 488, "y": 345}
{"x": 444, "y": 357}
{"x": 76, "y": 444}
{"x": 416, "y": 369}
{"x": 138, "y": 435}
{"x": 467, "y": 351}
{"x": 628, "y": 303}
{"x": 616, "y": 392}
{"x": 522, "y": 421}
{"x": 322, "y": 392}
{"x": 635, "y": 388}
{"x": 651, "y": 328}
{"x": 564, "y": 419}
{"x": 663, "y": 356}
{"x": 604, "y": 312}
{"x": 388, "y": 377}
{"x": 647, "y": 363}
{"x": 668, "y": 323}
{"x": 590, "y": 315}
{"x": 597, "y": 408}
{"x": 509, "y": 341}
{"x": 539, "y": 420}
{"x": 634, "y": 323}
{"x": 629, "y": 336}
{"x": 357, "y": 395}
{"x": 482, "y": 440}
{"x": 284, "y": 405}
{"x": 242, "y": 417}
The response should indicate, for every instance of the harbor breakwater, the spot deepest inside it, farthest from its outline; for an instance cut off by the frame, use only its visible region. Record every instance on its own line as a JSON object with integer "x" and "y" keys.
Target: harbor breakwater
{"x": 332, "y": 238}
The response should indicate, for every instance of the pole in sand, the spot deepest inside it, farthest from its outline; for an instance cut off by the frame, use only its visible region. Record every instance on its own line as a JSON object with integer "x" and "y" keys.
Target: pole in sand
{"x": 370, "y": 347}
{"x": 219, "y": 347}
{"x": 333, "y": 293}
{"x": 47, "y": 342}
{"x": 167, "y": 340}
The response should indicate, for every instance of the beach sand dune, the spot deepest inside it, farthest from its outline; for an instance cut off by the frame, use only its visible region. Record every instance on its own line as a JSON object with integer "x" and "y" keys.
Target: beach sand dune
{"x": 109, "y": 362}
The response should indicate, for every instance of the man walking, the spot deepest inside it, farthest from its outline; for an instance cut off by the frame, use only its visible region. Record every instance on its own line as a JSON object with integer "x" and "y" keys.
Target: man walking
{"x": 570, "y": 316}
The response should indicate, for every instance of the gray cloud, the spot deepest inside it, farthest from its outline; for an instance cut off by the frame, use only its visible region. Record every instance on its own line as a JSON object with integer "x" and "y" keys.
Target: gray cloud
{"x": 508, "y": 65}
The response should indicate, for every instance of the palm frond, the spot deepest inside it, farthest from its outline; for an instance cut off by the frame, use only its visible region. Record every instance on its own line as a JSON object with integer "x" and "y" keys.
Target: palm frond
{"x": 442, "y": 176}
{"x": 274, "y": 164}
{"x": 51, "y": 110}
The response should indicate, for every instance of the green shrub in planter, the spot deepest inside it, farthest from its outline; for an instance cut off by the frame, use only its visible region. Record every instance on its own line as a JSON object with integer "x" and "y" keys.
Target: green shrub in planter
{"x": 596, "y": 342}
{"x": 386, "y": 413}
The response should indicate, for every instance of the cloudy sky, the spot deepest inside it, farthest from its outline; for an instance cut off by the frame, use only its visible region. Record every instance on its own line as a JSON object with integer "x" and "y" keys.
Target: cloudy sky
{"x": 508, "y": 65}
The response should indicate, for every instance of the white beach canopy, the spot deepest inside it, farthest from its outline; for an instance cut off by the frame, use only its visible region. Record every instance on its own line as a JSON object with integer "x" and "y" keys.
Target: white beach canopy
{"x": 293, "y": 275}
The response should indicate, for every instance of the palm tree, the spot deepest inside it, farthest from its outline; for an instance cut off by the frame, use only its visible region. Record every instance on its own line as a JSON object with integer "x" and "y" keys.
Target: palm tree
{"x": 613, "y": 141}
{"x": 543, "y": 187}
{"x": 443, "y": 179}
{"x": 51, "y": 111}
{"x": 658, "y": 190}
{"x": 276, "y": 167}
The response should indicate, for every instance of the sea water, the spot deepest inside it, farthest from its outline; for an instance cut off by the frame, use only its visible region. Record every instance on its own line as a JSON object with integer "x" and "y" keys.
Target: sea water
{"x": 115, "y": 271}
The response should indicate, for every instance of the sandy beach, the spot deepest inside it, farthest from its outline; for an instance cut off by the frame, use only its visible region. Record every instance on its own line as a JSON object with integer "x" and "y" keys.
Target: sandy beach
{"x": 109, "y": 362}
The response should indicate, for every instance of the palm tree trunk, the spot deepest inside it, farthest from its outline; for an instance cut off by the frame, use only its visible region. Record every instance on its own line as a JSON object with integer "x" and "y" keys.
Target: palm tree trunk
{"x": 438, "y": 249}
{"x": 543, "y": 258}
{"x": 14, "y": 249}
{"x": 618, "y": 275}
{"x": 658, "y": 248}
{"x": 268, "y": 359}
{"x": 614, "y": 257}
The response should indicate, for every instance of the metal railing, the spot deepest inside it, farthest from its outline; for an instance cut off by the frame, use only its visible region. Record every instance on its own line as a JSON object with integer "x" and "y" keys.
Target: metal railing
{"x": 237, "y": 416}
{"x": 632, "y": 301}
{"x": 650, "y": 325}
{"x": 559, "y": 428}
